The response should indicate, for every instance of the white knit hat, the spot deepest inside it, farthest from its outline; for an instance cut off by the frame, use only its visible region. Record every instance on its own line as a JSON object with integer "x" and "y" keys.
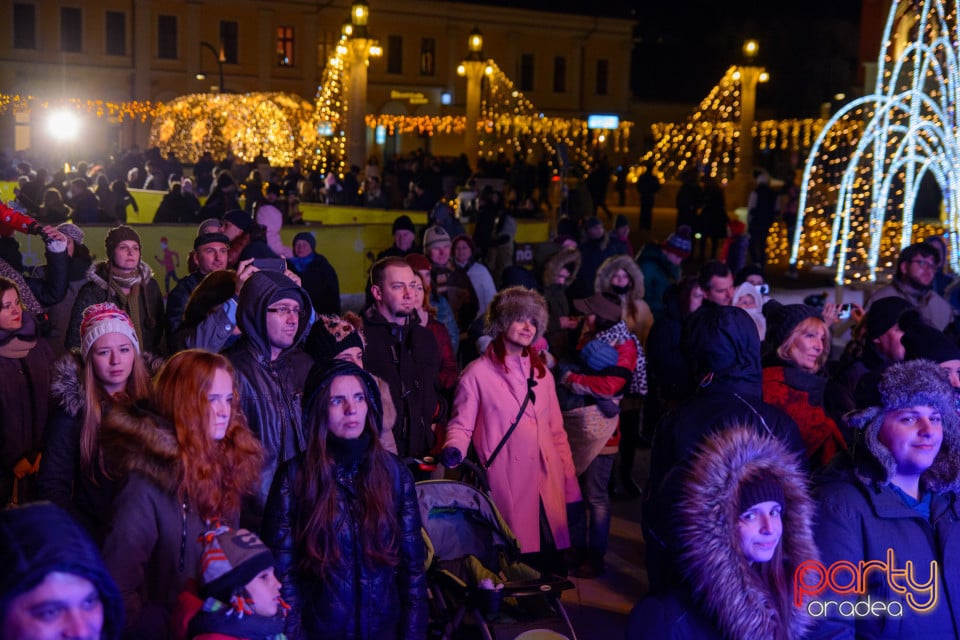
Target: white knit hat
{"x": 101, "y": 319}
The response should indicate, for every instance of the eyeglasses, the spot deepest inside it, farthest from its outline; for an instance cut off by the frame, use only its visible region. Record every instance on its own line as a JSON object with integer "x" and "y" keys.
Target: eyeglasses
{"x": 283, "y": 312}
{"x": 6, "y": 306}
{"x": 925, "y": 264}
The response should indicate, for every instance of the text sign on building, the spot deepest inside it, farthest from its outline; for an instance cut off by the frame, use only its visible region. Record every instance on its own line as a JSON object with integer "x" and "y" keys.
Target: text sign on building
{"x": 413, "y": 97}
{"x": 602, "y": 121}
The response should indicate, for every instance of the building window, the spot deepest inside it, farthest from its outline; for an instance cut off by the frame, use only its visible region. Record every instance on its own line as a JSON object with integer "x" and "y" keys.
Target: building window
{"x": 394, "y": 54}
{"x": 526, "y": 72}
{"x": 71, "y": 29}
{"x": 228, "y": 40}
{"x": 116, "y": 33}
{"x": 167, "y": 37}
{"x": 428, "y": 56}
{"x": 603, "y": 75}
{"x": 24, "y": 26}
{"x": 285, "y": 46}
{"x": 559, "y": 74}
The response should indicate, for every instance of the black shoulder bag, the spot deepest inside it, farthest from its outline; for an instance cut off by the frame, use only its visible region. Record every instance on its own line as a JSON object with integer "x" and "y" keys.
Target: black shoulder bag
{"x": 531, "y": 383}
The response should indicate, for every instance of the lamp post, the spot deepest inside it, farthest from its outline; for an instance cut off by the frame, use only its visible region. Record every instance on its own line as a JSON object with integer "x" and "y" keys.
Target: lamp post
{"x": 750, "y": 76}
{"x": 219, "y": 56}
{"x": 359, "y": 48}
{"x": 473, "y": 68}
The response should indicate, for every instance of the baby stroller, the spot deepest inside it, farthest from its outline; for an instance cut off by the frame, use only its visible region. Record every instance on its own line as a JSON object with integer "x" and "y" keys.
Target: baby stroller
{"x": 478, "y": 587}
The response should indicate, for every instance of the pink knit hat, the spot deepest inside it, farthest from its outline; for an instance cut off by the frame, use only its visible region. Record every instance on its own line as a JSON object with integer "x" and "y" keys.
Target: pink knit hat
{"x": 101, "y": 319}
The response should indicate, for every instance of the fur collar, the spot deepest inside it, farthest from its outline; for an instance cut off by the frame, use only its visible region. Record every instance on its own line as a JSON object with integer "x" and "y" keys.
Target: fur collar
{"x": 99, "y": 273}
{"x": 135, "y": 439}
{"x": 723, "y": 582}
{"x": 66, "y": 384}
{"x": 601, "y": 281}
{"x": 559, "y": 260}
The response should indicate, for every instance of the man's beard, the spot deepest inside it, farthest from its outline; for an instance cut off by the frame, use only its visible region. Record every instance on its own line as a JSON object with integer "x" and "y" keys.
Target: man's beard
{"x": 916, "y": 284}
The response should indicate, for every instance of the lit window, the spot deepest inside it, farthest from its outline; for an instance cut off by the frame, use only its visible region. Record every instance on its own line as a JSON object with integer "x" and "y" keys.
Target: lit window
{"x": 285, "y": 46}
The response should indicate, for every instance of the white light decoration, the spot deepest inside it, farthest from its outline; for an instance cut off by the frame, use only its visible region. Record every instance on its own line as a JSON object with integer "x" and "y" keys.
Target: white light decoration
{"x": 863, "y": 173}
{"x": 63, "y": 125}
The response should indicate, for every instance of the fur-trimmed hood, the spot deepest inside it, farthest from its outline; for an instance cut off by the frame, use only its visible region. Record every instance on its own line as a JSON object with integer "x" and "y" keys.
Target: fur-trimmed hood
{"x": 724, "y": 584}
{"x": 66, "y": 385}
{"x": 136, "y": 439}
{"x": 907, "y": 384}
{"x": 99, "y": 274}
{"x": 563, "y": 257}
{"x": 601, "y": 281}
{"x": 514, "y": 303}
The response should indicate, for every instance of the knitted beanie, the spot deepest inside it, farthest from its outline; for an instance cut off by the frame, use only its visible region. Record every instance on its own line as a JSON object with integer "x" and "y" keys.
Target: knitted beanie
{"x": 621, "y": 221}
{"x": 307, "y": 237}
{"x": 679, "y": 243}
{"x": 210, "y": 238}
{"x": 435, "y": 236}
{"x": 782, "y": 319}
{"x": 883, "y": 314}
{"x": 921, "y": 341}
{"x": 403, "y": 223}
{"x": 231, "y": 559}
{"x": 206, "y": 224}
{"x": 760, "y": 488}
{"x": 238, "y": 218}
{"x": 101, "y": 319}
{"x": 330, "y": 336}
{"x": 119, "y": 234}
{"x": 72, "y": 231}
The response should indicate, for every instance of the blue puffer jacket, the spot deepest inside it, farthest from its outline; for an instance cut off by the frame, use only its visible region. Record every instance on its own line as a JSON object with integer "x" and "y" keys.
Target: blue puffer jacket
{"x": 359, "y": 602}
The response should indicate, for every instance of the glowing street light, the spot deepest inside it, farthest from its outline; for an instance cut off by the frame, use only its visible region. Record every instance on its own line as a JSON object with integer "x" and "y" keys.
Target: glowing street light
{"x": 63, "y": 125}
{"x": 750, "y": 49}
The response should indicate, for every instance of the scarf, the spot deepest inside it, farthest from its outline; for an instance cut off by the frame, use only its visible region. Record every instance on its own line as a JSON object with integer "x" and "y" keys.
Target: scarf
{"x": 26, "y": 295}
{"x": 299, "y": 264}
{"x": 18, "y": 344}
{"x": 618, "y": 334}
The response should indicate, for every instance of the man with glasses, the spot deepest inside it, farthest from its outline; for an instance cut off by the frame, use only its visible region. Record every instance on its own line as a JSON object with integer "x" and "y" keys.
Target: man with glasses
{"x": 913, "y": 281}
{"x": 273, "y": 313}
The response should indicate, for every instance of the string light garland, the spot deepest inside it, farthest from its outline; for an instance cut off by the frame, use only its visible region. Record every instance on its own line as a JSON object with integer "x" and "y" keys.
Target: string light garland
{"x": 142, "y": 110}
{"x": 862, "y": 176}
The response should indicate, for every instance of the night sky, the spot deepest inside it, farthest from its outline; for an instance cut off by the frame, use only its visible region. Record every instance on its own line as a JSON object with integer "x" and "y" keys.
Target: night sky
{"x": 682, "y": 47}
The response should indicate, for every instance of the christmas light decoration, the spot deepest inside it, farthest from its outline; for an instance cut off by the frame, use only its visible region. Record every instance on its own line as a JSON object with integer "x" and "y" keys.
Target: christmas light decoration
{"x": 861, "y": 178}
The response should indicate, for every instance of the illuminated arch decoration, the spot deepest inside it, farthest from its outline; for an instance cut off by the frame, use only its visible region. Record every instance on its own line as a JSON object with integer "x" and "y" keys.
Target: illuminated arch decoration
{"x": 861, "y": 178}
{"x": 277, "y": 125}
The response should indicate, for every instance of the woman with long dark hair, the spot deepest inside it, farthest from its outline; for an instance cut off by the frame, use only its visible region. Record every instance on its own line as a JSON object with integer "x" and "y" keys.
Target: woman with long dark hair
{"x": 343, "y": 520}
{"x": 190, "y": 464}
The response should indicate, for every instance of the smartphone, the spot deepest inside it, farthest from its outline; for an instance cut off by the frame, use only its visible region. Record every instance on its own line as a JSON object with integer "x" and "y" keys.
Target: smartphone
{"x": 764, "y": 289}
{"x": 270, "y": 264}
{"x": 845, "y": 310}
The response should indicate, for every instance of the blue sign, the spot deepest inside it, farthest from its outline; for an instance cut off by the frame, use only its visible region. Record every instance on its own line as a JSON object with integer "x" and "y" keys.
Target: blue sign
{"x": 602, "y": 121}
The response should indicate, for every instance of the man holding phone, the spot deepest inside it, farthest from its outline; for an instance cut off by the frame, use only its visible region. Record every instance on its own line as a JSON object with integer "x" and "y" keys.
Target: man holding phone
{"x": 211, "y": 252}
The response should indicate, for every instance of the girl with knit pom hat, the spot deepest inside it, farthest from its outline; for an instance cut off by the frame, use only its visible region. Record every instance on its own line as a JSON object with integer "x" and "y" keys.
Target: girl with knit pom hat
{"x": 107, "y": 371}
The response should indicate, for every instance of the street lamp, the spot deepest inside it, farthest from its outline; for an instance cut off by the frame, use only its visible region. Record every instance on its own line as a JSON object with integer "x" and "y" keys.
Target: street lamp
{"x": 750, "y": 50}
{"x": 220, "y": 57}
{"x": 473, "y": 67}
{"x": 357, "y": 47}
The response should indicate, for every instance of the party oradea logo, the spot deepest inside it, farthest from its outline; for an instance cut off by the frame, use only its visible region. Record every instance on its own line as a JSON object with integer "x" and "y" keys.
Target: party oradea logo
{"x": 840, "y": 589}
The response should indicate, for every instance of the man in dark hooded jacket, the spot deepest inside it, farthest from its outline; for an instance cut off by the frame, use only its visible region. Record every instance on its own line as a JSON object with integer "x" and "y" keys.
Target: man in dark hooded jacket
{"x": 723, "y": 349}
{"x": 273, "y": 313}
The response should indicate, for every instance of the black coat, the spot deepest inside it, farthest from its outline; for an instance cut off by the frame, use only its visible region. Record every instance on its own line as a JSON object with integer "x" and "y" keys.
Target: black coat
{"x": 361, "y": 602}
{"x": 320, "y": 280}
{"x": 177, "y": 304}
{"x": 408, "y": 360}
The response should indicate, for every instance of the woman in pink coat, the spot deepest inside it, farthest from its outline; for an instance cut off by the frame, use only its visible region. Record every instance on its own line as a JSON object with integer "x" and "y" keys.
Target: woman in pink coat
{"x": 534, "y": 467}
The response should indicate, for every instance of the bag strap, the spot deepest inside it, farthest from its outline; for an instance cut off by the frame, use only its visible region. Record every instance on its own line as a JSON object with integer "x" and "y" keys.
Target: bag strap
{"x": 531, "y": 383}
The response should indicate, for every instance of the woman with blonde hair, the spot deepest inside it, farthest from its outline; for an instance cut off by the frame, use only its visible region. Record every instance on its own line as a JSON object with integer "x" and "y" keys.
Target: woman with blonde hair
{"x": 189, "y": 464}
{"x": 108, "y": 370}
{"x": 796, "y": 350}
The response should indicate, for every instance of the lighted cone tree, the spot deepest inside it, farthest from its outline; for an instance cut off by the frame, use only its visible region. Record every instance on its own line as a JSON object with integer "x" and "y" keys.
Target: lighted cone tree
{"x": 279, "y": 126}
{"x": 861, "y": 178}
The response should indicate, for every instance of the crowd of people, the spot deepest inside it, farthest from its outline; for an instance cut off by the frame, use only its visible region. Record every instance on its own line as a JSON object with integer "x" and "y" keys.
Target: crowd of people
{"x": 232, "y": 456}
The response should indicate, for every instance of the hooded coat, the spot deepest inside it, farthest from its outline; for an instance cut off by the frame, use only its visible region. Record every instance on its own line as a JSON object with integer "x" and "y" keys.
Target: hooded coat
{"x": 561, "y": 341}
{"x": 863, "y": 516}
{"x": 636, "y": 312}
{"x": 151, "y": 546}
{"x": 724, "y": 353}
{"x": 148, "y": 317}
{"x": 722, "y": 595}
{"x": 658, "y": 275}
{"x": 270, "y": 390}
{"x": 536, "y": 463}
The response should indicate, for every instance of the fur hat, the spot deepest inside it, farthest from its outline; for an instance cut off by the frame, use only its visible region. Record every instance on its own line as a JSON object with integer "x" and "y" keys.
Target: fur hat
{"x": 434, "y": 237}
{"x": 883, "y": 314}
{"x": 231, "y": 559}
{"x": 238, "y": 218}
{"x": 403, "y": 223}
{"x": 210, "y": 238}
{"x": 513, "y": 304}
{"x": 909, "y": 384}
{"x": 101, "y": 319}
{"x": 72, "y": 231}
{"x": 119, "y": 234}
{"x": 782, "y": 319}
{"x": 330, "y": 336}
{"x": 213, "y": 291}
{"x": 679, "y": 243}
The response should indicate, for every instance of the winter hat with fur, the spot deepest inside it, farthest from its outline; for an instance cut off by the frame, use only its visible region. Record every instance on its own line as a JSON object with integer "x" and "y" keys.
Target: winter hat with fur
{"x": 101, "y": 319}
{"x": 910, "y": 384}
{"x": 515, "y": 303}
{"x": 330, "y": 336}
{"x": 231, "y": 559}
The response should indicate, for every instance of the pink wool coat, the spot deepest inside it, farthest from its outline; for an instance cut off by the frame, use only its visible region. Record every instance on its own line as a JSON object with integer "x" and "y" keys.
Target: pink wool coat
{"x": 535, "y": 464}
